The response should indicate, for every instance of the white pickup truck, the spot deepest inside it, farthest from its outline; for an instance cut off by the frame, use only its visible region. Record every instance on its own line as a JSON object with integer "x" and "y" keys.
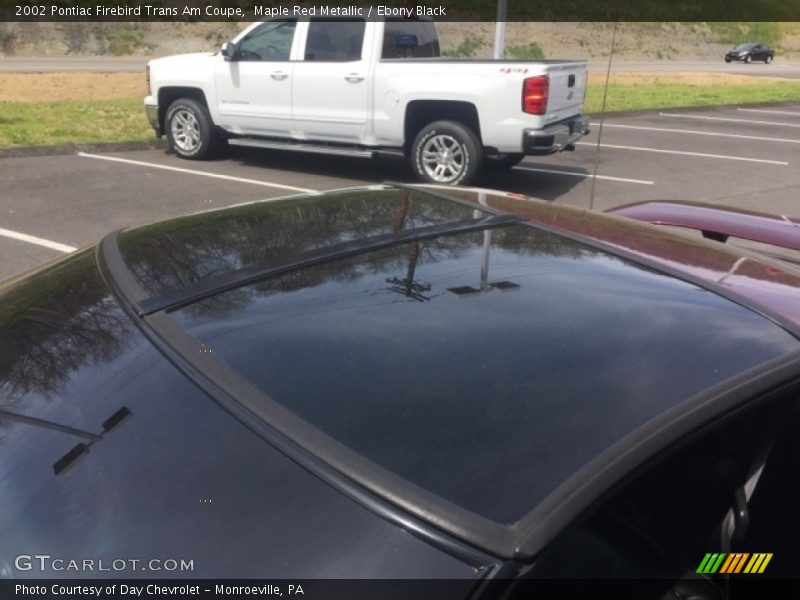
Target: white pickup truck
{"x": 366, "y": 88}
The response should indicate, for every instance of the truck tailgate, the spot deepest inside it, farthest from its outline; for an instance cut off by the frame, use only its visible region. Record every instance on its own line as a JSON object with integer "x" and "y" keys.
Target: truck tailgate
{"x": 567, "y": 90}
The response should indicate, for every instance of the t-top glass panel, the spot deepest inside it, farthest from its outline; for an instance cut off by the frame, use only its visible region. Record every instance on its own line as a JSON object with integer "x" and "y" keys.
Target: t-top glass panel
{"x": 485, "y": 367}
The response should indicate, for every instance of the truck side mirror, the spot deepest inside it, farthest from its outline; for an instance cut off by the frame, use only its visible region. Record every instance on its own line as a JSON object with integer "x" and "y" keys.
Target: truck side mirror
{"x": 229, "y": 51}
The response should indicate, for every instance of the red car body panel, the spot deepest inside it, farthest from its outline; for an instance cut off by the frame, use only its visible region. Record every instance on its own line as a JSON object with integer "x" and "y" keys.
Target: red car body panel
{"x": 758, "y": 227}
{"x": 758, "y": 281}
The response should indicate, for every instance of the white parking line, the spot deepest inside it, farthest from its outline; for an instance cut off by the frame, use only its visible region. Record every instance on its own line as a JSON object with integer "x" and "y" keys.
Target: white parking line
{"x": 729, "y": 120}
{"x": 686, "y": 153}
{"x": 139, "y": 163}
{"x": 584, "y": 175}
{"x": 24, "y": 237}
{"x": 769, "y": 111}
{"x": 695, "y": 132}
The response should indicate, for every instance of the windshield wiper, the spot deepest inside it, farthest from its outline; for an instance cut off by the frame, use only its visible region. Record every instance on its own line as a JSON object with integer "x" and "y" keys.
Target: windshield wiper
{"x": 80, "y": 449}
{"x": 45, "y": 424}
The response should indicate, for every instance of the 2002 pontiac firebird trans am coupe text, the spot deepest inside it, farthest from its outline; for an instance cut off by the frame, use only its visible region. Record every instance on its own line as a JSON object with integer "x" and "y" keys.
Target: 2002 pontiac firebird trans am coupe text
{"x": 393, "y": 383}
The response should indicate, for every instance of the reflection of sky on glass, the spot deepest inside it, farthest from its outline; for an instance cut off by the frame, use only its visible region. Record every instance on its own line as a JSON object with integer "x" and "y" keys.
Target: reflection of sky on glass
{"x": 69, "y": 354}
{"x": 136, "y": 493}
{"x": 489, "y": 400}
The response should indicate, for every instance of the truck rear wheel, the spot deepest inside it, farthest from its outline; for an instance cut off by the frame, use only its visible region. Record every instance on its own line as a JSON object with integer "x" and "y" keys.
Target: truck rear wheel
{"x": 189, "y": 129}
{"x": 446, "y": 152}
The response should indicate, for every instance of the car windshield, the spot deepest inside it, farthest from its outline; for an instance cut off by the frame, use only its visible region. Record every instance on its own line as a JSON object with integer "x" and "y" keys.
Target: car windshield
{"x": 742, "y": 47}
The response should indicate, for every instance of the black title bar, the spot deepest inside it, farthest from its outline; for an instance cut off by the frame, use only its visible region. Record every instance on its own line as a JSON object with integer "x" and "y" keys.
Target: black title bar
{"x": 444, "y": 10}
{"x": 367, "y": 589}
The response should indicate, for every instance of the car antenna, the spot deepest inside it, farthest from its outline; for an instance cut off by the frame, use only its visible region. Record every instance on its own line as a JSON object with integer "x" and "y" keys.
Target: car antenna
{"x": 602, "y": 115}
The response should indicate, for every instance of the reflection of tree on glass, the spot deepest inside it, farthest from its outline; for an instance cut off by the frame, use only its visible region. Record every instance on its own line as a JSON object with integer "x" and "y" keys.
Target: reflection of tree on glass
{"x": 174, "y": 254}
{"x": 406, "y": 285}
{"x": 51, "y": 326}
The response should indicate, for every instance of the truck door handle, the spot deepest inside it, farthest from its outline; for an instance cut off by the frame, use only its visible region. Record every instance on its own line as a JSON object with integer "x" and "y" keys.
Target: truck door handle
{"x": 279, "y": 75}
{"x": 354, "y": 77}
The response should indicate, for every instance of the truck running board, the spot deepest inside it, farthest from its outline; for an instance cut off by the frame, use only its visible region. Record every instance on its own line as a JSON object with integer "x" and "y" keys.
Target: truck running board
{"x": 302, "y": 147}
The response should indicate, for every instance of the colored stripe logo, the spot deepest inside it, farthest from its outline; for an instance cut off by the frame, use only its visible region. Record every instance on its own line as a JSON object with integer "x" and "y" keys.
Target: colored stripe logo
{"x": 734, "y": 562}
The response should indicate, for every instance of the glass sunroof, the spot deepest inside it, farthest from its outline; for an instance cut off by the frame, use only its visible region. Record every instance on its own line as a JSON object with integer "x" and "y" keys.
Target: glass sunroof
{"x": 485, "y": 367}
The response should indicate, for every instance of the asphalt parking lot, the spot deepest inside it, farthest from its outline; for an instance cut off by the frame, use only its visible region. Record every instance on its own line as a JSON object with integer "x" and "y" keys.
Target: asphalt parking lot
{"x": 742, "y": 157}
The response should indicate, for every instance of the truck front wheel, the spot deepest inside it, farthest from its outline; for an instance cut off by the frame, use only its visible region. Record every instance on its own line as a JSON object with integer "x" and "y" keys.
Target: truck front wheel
{"x": 446, "y": 152}
{"x": 189, "y": 129}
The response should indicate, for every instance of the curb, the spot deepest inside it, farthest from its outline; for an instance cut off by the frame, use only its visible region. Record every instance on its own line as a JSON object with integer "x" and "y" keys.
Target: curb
{"x": 160, "y": 144}
{"x": 712, "y": 107}
{"x": 25, "y": 151}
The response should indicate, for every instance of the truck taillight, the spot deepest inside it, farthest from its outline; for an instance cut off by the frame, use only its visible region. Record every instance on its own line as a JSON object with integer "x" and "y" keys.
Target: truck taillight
{"x": 534, "y": 94}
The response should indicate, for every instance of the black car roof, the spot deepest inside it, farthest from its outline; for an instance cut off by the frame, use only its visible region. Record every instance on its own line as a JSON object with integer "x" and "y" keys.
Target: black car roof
{"x": 458, "y": 363}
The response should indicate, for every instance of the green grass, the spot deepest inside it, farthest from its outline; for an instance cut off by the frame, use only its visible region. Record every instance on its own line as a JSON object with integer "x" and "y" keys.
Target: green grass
{"x": 126, "y": 40}
{"x": 72, "y": 122}
{"x": 97, "y": 121}
{"x": 670, "y": 95}
{"x": 738, "y": 33}
{"x": 530, "y": 52}
{"x": 467, "y": 48}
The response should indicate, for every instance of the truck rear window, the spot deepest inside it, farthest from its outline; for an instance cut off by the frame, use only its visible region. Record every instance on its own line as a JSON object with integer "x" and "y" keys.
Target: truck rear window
{"x": 410, "y": 39}
{"x": 334, "y": 40}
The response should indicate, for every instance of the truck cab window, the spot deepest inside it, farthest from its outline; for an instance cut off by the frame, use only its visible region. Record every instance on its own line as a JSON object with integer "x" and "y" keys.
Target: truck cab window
{"x": 409, "y": 39}
{"x": 271, "y": 41}
{"x": 334, "y": 40}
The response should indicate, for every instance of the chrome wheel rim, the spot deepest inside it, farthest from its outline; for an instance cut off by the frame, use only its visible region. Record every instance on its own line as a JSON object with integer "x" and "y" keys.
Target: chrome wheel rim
{"x": 443, "y": 158}
{"x": 185, "y": 130}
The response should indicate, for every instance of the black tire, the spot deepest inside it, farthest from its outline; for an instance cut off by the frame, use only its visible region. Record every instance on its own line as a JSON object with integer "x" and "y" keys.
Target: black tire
{"x": 449, "y": 149}
{"x": 748, "y": 59}
{"x": 502, "y": 162}
{"x": 768, "y": 59}
{"x": 727, "y": 60}
{"x": 190, "y": 131}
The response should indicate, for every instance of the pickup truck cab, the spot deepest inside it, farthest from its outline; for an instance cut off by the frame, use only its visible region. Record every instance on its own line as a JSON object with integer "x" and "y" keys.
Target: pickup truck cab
{"x": 366, "y": 88}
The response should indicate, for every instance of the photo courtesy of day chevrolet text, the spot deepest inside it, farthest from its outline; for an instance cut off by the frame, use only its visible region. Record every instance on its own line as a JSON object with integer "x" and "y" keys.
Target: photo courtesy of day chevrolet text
{"x": 130, "y": 590}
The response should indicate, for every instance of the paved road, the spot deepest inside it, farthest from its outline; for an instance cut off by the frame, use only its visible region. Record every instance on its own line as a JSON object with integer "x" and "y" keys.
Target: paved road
{"x": 776, "y": 69}
{"x": 136, "y": 64}
{"x": 746, "y": 157}
{"x": 92, "y": 64}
